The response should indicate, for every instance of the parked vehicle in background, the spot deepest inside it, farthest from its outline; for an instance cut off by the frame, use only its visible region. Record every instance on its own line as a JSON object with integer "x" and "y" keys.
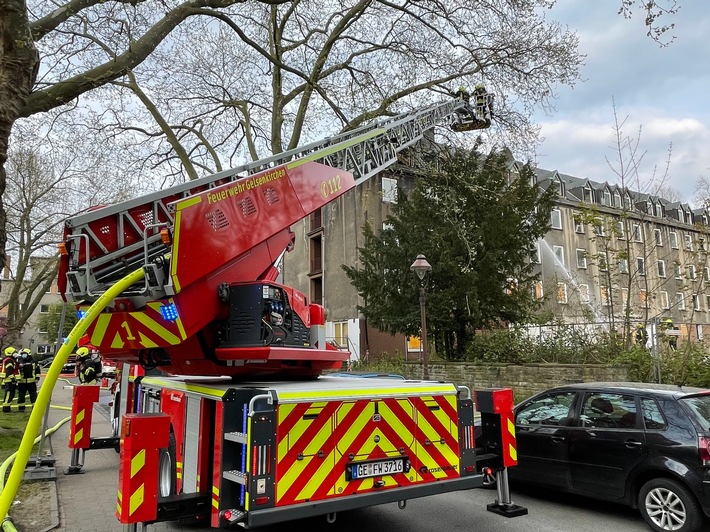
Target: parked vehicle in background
{"x": 644, "y": 445}
{"x": 108, "y": 369}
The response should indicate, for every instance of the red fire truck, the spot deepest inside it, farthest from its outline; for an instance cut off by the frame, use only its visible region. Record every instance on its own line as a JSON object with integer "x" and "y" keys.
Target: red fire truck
{"x": 241, "y": 426}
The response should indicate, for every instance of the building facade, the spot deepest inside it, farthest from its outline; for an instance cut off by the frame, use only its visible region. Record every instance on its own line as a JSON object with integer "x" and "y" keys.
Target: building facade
{"x": 612, "y": 256}
{"x": 32, "y": 335}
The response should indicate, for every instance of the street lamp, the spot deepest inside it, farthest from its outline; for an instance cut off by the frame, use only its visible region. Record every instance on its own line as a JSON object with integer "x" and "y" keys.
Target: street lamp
{"x": 421, "y": 267}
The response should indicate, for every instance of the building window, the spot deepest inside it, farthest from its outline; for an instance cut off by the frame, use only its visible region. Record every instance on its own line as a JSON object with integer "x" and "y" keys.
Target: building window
{"x": 341, "y": 333}
{"x": 662, "y": 268}
{"x": 584, "y": 293}
{"x": 578, "y": 225}
{"x": 643, "y": 296}
{"x": 691, "y": 272}
{"x": 44, "y": 309}
{"x": 560, "y": 188}
{"x": 537, "y": 290}
{"x": 665, "y": 305}
{"x": 605, "y": 296}
{"x": 561, "y": 292}
{"x": 673, "y": 239}
{"x": 620, "y": 233}
{"x": 537, "y": 258}
{"x": 599, "y": 227}
{"x": 601, "y": 262}
{"x": 606, "y": 198}
{"x": 699, "y": 331}
{"x": 624, "y": 297}
{"x": 623, "y": 266}
{"x": 559, "y": 252}
{"x": 659, "y": 210}
{"x": 696, "y": 302}
{"x": 628, "y": 202}
{"x": 678, "y": 271}
{"x": 680, "y": 300}
{"x": 588, "y": 197}
{"x": 389, "y": 190}
{"x": 659, "y": 239}
{"x": 707, "y": 301}
{"x": 706, "y": 273}
{"x": 637, "y": 233}
{"x": 641, "y": 265}
{"x": 556, "y": 218}
{"x": 617, "y": 200}
{"x": 688, "y": 242}
{"x": 582, "y": 259}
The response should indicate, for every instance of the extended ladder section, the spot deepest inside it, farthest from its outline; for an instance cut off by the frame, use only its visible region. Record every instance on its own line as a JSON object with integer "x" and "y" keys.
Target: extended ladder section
{"x": 104, "y": 244}
{"x": 208, "y": 303}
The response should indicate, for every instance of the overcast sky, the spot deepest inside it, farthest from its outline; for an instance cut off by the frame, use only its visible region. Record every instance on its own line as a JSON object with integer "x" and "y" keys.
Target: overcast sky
{"x": 663, "y": 90}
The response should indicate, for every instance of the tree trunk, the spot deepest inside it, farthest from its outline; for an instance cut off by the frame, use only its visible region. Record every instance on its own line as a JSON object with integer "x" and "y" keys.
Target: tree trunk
{"x": 19, "y": 61}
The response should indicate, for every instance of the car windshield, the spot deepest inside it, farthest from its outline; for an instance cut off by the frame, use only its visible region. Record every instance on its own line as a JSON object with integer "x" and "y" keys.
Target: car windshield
{"x": 700, "y": 407}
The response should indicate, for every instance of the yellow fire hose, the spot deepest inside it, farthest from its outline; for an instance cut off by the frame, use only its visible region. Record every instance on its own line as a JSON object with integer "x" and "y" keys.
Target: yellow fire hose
{"x": 7, "y": 524}
{"x": 45, "y": 392}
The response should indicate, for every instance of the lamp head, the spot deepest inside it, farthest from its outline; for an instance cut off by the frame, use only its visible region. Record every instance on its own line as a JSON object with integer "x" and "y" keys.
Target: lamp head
{"x": 420, "y": 266}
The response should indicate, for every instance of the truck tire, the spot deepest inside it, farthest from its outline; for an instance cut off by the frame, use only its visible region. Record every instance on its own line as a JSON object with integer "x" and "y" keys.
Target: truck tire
{"x": 167, "y": 472}
{"x": 666, "y": 504}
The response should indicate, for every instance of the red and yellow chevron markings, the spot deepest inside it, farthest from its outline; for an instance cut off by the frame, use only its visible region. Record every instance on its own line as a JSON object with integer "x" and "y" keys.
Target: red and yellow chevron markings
{"x": 329, "y": 435}
{"x": 137, "y": 330}
{"x": 510, "y": 449}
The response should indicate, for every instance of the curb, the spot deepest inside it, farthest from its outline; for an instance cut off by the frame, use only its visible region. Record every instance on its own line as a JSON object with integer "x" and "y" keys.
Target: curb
{"x": 54, "y": 512}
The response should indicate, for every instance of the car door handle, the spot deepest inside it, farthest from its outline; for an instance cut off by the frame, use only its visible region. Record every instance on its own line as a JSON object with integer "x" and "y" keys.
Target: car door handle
{"x": 558, "y": 439}
{"x": 633, "y": 443}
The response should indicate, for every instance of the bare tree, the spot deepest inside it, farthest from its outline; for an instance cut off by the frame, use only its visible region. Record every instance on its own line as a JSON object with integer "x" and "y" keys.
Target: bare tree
{"x": 50, "y": 176}
{"x": 287, "y": 70}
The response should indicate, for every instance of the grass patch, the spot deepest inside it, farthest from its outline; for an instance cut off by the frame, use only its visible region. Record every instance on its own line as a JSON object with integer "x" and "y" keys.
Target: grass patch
{"x": 12, "y": 428}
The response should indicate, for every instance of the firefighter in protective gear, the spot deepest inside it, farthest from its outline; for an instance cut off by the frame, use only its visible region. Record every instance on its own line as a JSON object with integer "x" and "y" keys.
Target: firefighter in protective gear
{"x": 672, "y": 338}
{"x": 641, "y": 335}
{"x": 8, "y": 377}
{"x": 86, "y": 368}
{"x": 483, "y": 103}
{"x": 29, "y": 375}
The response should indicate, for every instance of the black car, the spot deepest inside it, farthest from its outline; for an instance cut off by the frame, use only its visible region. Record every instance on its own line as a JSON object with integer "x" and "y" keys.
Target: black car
{"x": 643, "y": 445}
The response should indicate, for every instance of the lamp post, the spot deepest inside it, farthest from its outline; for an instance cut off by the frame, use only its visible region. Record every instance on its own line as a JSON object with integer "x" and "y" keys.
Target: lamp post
{"x": 421, "y": 267}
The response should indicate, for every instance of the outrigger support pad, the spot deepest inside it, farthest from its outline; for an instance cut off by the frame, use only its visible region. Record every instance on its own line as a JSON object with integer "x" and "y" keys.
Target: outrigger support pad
{"x": 503, "y": 505}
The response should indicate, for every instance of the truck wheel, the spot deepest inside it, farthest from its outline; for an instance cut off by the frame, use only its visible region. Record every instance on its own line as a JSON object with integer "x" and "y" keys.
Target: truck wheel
{"x": 167, "y": 475}
{"x": 666, "y": 504}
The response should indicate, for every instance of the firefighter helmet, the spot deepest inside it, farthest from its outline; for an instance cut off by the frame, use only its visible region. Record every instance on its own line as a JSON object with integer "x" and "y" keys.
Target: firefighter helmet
{"x": 25, "y": 351}
{"x": 82, "y": 352}
{"x": 10, "y": 351}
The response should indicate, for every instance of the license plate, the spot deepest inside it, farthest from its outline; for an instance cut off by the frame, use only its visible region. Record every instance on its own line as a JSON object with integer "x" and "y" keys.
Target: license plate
{"x": 375, "y": 469}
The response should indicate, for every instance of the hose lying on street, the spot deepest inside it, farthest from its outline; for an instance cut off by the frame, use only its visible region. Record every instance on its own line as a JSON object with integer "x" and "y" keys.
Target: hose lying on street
{"x": 7, "y": 524}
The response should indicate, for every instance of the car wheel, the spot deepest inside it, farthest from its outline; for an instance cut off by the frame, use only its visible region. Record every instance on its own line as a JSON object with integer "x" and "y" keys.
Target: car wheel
{"x": 666, "y": 504}
{"x": 167, "y": 474}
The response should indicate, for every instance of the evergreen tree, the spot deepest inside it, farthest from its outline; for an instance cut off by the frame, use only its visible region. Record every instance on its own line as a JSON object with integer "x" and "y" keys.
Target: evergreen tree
{"x": 476, "y": 223}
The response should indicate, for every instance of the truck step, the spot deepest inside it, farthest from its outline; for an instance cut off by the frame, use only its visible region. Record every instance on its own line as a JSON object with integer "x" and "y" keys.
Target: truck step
{"x": 235, "y": 476}
{"x": 238, "y": 437}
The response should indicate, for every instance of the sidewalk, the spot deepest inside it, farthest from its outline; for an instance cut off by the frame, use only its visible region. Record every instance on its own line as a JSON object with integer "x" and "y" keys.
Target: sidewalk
{"x": 86, "y": 502}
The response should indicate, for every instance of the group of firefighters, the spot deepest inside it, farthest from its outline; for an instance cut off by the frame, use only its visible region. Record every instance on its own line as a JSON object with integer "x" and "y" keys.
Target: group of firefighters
{"x": 482, "y": 101}
{"x": 20, "y": 373}
{"x": 663, "y": 327}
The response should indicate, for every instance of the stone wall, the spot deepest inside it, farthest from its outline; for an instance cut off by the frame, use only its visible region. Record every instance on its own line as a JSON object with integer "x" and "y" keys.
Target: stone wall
{"x": 525, "y": 379}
